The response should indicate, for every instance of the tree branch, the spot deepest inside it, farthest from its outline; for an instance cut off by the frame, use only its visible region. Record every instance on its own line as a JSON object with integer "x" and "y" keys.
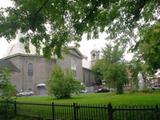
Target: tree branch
{"x": 45, "y": 2}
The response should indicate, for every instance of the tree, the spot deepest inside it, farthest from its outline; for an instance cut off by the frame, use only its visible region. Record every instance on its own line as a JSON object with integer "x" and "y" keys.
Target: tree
{"x": 148, "y": 46}
{"x": 114, "y": 71}
{"x": 116, "y": 76}
{"x": 61, "y": 84}
{"x": 97, "y": 69}
{"x": 51, "y": 24}
{"x": 112, "y": 68}
{"x": 134, "y": 67}
{"x": 7, "y": 90}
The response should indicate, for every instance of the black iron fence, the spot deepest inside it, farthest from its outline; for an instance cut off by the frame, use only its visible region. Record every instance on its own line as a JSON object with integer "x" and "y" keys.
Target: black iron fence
{"x": 54, "y": 111}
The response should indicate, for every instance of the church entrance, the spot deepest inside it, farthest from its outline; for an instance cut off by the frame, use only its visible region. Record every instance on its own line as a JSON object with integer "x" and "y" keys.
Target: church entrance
{"x": 41, "y": 89}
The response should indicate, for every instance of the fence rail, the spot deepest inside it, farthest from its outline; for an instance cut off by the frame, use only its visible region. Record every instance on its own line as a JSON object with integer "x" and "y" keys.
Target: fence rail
{"x": 54, "y": 111}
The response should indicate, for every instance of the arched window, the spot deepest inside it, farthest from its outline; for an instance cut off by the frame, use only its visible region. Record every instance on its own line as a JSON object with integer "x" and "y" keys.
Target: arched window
{"x": 30, "y": 69}
{"x": 74, "y": 67}
{"x": 93, "y": 56}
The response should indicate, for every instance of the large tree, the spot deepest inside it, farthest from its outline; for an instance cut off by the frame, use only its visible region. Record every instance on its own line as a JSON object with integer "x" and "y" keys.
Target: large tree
{"x": 112, "y": 68}
{"x": 148, "y": 46}
{"x": 51, "y": 24}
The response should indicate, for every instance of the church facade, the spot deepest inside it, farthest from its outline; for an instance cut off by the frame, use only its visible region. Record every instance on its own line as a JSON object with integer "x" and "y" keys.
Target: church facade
{"x": 35, "y": 70}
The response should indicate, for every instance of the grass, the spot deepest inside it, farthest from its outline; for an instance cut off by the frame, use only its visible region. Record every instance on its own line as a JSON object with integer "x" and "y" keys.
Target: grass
{"x": 100, "y": 98}
{"x": 63, "y": 112}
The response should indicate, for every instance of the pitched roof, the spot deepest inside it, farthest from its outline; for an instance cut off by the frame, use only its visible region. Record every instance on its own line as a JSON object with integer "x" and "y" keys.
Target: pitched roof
{"x": 9, "y": 65}
{"x": 77, "y": 52}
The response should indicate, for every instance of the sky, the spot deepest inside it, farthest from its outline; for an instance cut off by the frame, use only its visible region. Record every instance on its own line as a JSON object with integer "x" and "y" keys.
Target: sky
{"x": 85, "y": 45}
{"x": 3, "y": 43}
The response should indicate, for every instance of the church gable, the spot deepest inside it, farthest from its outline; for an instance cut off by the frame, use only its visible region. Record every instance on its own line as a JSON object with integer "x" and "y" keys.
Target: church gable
{"x": 74, "y": 51}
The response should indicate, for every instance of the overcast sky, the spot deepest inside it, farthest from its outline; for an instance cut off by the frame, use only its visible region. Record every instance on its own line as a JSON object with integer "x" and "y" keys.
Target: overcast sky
{"x": 85, "y": 45}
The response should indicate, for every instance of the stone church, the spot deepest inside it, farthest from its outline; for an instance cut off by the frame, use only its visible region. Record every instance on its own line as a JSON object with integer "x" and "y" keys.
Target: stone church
{"x": 34, "y": 69}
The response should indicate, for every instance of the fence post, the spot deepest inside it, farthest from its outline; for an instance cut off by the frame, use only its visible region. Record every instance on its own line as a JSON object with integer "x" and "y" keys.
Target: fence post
{"x": 15, "y": 108}
{"x": 110, "y": 112}
{"x": 53, "y": 115}
{"x": 6, "y": 105}
{"x": 75, "y": 111}
{"x": 156, "y": 110}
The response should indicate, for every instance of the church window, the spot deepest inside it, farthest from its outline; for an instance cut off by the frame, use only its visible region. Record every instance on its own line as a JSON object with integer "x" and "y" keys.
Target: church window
{"x": 73, "y": 67}
{"x": 93, "y": 56}
{"x": 30, "y": 69}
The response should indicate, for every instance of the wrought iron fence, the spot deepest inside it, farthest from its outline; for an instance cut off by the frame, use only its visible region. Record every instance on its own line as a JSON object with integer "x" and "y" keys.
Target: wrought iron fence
{"x": 54, "y": 111}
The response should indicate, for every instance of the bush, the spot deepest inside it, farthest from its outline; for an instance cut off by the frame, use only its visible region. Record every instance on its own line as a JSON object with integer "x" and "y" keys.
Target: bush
{"x": 133, "y": 91}
{"x": 147, "y": 91}
{"x": 7, "y": 90}
{"x": 6, "y": 110}
{"x": 142, "y": 91}
{"x": 61, "y": 84}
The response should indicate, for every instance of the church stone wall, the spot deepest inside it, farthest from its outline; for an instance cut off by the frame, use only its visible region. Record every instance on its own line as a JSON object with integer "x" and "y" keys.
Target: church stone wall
{"x": 16, "y": 78}
{"x": 41, "y": 71}
{"x": 66, "y": 63}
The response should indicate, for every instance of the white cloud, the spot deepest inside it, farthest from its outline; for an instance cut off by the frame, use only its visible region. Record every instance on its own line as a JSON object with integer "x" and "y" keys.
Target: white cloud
{"x": 5, "y": 3}
{"x": 3, "y": 46}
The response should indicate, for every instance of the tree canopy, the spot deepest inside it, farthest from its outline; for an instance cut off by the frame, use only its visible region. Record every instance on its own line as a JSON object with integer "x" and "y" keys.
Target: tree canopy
{"x": 51, "y": 24}
{"x": 111, "y": 68}
{"x": 148, "y": 46}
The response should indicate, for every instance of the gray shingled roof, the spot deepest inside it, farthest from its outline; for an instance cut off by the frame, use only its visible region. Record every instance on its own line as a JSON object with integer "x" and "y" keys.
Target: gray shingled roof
{"x": 9, "y": 65}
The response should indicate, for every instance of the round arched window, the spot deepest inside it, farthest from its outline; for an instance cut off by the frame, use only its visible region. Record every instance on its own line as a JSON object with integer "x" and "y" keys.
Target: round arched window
{"x": 73, "y": 67}
{"x": 30, "y": 69}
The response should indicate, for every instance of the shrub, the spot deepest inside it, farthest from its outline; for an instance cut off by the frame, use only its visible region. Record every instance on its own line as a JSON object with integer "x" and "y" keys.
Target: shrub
{"x": 7, "y": 90}
{"x": 147, "y": 91}
{"x": 62, "y": 84}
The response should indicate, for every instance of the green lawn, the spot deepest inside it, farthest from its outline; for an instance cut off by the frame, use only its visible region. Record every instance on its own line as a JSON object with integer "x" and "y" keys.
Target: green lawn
{"x": 85, "y": 112}
{"x": 100, "y": 98}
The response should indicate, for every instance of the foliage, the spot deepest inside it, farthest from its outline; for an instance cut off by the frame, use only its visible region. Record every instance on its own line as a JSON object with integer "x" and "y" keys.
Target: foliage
{"x": 134, "y": 67}
{"x": 149, "y": 46}
{"x": 51, "y": 24}
{"x": 7, "y": 91}
{"x": 6, "y": 88}
{"x": 116, "y": 76}
{"x": 97, "y": 69}
{"x": 61, "y": 84}
{"x": 114, "y": 71}
{"x": 6, "y": 110}
{"x": 112, "y": 68}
